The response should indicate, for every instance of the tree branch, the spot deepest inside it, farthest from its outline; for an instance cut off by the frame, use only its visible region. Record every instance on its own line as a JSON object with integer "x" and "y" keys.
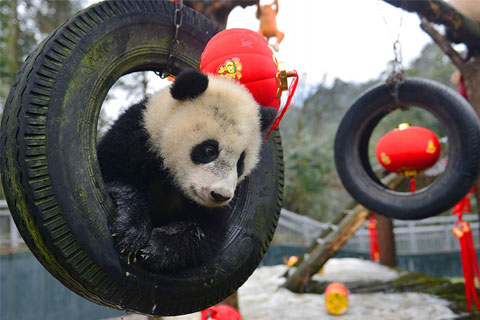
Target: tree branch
{"x": 219, "y": 10}
{"x": 460, "y": 29}
{"x": 443, "y": 43}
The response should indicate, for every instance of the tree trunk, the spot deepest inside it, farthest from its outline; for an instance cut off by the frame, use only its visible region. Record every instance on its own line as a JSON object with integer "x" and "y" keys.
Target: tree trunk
{"x": 231, "y": 301}
{"x": 324, "y": 251}
{"x": 386, "y": 241}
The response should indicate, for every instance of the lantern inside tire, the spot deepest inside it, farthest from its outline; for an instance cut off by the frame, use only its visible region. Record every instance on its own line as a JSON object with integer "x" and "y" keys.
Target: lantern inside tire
{"x": 460, "y": 123}
{"x": 52, "y": 179}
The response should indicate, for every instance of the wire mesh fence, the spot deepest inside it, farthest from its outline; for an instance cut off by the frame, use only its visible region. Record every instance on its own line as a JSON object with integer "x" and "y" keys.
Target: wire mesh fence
{"x": 9, "y": 236}
{"x": 427, "y": 236}
{"x": 432, "y": 235}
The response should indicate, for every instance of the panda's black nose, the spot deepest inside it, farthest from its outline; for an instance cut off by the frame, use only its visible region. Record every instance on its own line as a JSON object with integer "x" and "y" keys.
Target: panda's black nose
{"x": 218, "y": 197}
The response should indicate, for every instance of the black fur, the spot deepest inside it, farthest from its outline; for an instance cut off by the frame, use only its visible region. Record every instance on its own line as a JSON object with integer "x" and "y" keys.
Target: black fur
{"x": 154, "y": 221}
{"x": 189, "y": 84}
{"x": 267, "y": 116}
{"x": 205, "y": 152}
{"x": 241, "y": 164}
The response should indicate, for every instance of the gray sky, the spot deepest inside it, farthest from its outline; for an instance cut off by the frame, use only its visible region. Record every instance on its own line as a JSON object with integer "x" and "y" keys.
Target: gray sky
{"x": 347, "y": 39}
{"x": 327, "y": 39}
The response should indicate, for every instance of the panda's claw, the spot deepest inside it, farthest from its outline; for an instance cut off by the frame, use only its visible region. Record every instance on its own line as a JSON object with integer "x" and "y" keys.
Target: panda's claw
{"x": 131, "y": 226}
{"x": 167, "y": 250}
{"x": 131, "y": 242}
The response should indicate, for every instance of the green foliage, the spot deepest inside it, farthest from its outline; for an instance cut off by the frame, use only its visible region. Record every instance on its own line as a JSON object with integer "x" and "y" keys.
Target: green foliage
{"x": 311, "y": 177}
{"x": 432, "y": 64}
{"x": 24, "y": 24}
{"x": 308, "y": 131}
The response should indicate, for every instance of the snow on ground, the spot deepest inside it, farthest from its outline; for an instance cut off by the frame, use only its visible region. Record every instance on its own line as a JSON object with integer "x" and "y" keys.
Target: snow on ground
{"x": 351, "y": 269}
{"x": 262, "y": 298}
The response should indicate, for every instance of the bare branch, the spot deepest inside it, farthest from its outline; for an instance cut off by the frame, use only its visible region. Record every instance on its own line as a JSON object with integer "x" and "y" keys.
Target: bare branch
{"x": 218, "y": 11}
{"x": 443, "y": 43}
{"x": 460, "y": 28}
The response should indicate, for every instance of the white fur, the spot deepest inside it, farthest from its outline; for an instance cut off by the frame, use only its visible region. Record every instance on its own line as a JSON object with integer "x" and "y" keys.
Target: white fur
{"x": 469, "y": 8}
{"x": 225, "y": 112}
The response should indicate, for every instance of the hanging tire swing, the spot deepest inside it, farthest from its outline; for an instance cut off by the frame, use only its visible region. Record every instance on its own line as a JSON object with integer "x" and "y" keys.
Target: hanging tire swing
{"x": 460, "y": 123}
{"x": 53, "y": 183}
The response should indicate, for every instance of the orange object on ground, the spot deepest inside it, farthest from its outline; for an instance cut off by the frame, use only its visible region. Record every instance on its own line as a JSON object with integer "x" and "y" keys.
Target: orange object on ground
{"x": 336, "y": 298}
{"x": 291, "y": 260}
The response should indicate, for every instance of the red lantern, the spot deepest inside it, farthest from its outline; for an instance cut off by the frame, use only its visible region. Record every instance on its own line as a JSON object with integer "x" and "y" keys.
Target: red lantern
{"x": 220, "y": 312}
{"x": 244, "y": 55}
{"x": 408, "y": 150}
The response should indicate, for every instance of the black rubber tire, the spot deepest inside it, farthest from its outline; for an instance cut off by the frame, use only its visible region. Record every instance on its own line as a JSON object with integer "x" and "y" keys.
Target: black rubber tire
{"x": 52, "y": 179}
{"x": 351, "y": 150}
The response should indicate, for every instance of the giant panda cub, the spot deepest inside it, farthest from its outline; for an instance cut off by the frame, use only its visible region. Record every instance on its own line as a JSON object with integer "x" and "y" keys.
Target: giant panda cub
{"x": 172, "y": 164}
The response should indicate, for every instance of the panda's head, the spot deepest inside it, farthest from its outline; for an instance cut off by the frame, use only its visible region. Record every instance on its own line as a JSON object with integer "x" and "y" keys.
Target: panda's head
{"x": 207, "y": 130}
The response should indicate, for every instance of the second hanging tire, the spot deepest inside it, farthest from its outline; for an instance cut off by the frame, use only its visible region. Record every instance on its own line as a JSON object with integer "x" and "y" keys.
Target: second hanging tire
{"x": 460, "y": 123}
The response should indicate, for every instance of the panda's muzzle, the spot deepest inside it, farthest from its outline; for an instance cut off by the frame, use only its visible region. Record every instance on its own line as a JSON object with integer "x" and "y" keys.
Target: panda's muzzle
{"x": 219, "y": 198}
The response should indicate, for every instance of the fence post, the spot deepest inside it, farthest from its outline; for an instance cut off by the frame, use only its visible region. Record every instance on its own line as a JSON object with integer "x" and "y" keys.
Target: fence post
{"x": 412, "y": 237}
{"x": 305, "y": 234}
{"x": 448, "y": 235}
{"x": 14, "y": 236}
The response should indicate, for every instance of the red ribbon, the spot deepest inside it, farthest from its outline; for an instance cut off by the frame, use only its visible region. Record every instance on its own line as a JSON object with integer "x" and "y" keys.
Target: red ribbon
{"x": 468, "y": 255}
{"x": 374, "y": 250}
{"x": 462, "y": 206}
{"x": 412, "y": 185}
{"x": 291, "y": 92}
{"x": 461, "y": 87}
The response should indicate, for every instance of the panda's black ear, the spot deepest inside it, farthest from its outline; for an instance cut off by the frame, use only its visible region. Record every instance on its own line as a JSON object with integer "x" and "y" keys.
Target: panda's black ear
{"x": 189, "y": 84}
{"x": 267, "y": 116}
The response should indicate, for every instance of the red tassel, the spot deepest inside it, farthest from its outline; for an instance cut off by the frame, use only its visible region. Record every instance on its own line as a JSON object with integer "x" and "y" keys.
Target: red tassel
{"x": 374, "y": 250}
{"x": 468, "y": 256}
{"x": 463, "y": 206}
{"x": 291, "y": 92}
{"x": 461, "y": 87}
{"x": 412, "y": 185}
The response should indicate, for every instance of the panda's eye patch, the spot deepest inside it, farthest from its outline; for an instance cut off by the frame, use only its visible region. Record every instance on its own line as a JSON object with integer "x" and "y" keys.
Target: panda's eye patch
{"x": 241, "y": 164}
{"x": 205, "y": 152}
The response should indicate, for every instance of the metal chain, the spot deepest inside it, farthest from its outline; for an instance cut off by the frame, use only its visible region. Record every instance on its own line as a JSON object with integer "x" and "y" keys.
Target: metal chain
{"x": 177, "y": 22}
{"x": 396, "y": 78}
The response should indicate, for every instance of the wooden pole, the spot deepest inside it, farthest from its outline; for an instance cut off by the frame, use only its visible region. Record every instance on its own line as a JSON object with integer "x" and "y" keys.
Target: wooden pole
{"x": 386, "y": 241}
{"x": 324, "y": 251}
{"x": 331, "y": 240}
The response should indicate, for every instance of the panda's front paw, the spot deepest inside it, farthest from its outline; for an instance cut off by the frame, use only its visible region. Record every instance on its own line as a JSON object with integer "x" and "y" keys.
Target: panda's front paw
{"x": 131, "y": 226}
{"x": 174, "y": 247}
{"x": 129, "y": 238}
